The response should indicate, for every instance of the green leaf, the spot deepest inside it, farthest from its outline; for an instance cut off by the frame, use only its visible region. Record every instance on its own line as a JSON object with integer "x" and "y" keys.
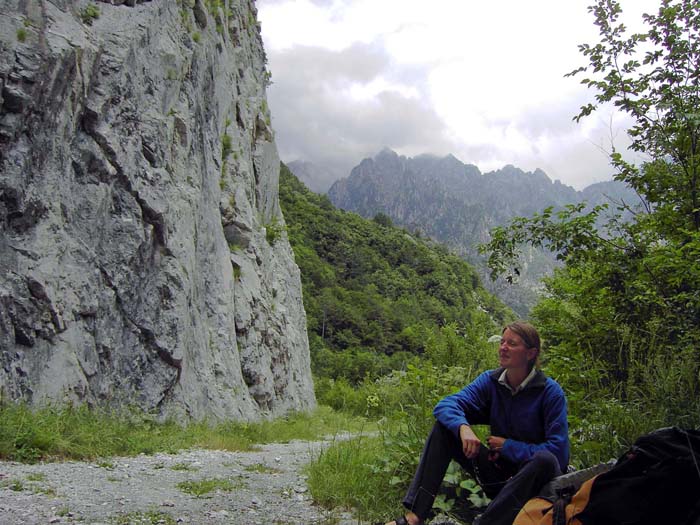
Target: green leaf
{"x": 443, "y": 504}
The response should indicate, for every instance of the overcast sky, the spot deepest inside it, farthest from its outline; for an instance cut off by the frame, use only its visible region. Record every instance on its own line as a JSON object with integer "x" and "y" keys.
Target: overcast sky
{"x": 482, "y": 80}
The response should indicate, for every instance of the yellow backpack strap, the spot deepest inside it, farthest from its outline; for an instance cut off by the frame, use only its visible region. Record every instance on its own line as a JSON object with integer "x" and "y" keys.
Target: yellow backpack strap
{"x": 579, "y": 501}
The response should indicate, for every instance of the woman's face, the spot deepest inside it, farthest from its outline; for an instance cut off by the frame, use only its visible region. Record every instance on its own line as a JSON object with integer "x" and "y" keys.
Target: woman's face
{"x": 513, "y": 352}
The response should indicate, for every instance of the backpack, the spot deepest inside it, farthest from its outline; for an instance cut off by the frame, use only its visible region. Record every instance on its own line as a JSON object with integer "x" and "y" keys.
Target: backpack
{"x": 656, "y": 481}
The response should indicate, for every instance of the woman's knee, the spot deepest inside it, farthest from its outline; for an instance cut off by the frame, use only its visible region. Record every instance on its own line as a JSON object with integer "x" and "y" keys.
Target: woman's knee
{"x": 442, "y": 430}
{"x": 443, "y": 434}
{"x": 545, "y": 463}
{"x": 444, "y": 438}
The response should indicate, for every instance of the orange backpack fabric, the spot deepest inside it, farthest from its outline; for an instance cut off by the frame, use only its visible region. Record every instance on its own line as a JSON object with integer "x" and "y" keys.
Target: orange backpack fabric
{"x": 541, "y": 511}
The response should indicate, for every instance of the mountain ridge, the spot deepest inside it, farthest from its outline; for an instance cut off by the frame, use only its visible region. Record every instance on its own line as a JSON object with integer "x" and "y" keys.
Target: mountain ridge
{"x": 456, "y": 204}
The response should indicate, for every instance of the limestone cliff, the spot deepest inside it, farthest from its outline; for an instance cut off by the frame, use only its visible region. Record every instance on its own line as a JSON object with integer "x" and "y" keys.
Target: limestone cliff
{"x": 143, "y": 255}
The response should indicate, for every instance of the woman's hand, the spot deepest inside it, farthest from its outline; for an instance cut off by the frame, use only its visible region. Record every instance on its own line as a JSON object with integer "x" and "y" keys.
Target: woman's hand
{"x": 470, "y": 443}
{"x": 495, "y": 443}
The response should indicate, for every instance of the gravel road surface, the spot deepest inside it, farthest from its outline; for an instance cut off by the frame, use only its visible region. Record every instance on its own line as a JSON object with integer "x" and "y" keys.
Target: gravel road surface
{"x": 266, "y": 486}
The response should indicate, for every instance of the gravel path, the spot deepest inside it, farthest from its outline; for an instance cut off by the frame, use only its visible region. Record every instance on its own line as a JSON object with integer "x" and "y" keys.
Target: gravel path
{"x": 264, "y": 487}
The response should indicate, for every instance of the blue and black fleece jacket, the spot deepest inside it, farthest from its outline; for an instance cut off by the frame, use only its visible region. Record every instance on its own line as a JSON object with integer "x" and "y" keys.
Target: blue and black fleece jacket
{"x": 531, "y": 420}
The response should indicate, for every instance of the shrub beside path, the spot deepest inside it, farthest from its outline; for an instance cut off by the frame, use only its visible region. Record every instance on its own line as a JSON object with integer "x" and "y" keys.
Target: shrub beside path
{"x": 265, "y": 486}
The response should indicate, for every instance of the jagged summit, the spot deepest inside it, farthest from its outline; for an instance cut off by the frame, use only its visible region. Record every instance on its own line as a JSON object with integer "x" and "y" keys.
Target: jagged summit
{"x": 386, "y": 152}
{"x": 406, "y": 187}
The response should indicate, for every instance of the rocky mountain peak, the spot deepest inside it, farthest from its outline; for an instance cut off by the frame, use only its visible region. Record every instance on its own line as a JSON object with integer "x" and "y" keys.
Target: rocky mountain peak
{"x": 386, "y": 154}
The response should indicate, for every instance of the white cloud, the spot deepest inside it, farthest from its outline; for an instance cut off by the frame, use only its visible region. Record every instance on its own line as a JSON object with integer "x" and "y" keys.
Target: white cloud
{"x": 483, "y": 80}
{"x": 358, "y": 91}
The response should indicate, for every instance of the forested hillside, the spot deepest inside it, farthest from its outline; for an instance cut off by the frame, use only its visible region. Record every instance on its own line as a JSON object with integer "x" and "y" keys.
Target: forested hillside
{"x": 376, "y": 296}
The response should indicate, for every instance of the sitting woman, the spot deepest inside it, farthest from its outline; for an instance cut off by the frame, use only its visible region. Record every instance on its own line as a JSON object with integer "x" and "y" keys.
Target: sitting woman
{"x": 529, "y": 442}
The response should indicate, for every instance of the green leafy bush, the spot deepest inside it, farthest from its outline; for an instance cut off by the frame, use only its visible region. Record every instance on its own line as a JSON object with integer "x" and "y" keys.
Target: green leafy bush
{"x": 89, "y": 14}
{"x": 273, "y": 231}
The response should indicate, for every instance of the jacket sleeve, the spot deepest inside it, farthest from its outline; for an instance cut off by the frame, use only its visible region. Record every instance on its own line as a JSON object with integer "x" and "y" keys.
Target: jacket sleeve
{"x": 469, "y": 406}
{"x": 556, "y": 431}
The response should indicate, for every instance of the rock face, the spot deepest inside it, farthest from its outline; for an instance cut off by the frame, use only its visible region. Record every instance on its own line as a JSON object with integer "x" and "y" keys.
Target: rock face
{"x": 441, "y": 196}
{"x": 143, "y": 256}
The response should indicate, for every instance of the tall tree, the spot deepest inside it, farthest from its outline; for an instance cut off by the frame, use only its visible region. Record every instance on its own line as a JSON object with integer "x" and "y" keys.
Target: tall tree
{"x": 629, "y": 293}
{"x": 654, "y": 78}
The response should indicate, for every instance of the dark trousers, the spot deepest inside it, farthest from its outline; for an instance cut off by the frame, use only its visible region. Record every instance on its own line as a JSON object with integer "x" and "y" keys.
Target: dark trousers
{"x": 509, "y": 486}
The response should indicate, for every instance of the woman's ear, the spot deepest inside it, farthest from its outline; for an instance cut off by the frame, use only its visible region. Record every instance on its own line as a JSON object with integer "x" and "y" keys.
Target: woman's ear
{"x": 532, "y": 354}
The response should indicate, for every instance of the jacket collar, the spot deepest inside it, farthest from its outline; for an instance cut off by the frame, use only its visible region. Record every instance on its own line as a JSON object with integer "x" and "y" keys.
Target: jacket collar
{"x": 538, "y": 381}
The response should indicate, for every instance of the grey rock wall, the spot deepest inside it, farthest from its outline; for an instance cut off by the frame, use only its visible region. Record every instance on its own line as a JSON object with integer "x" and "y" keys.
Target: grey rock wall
{"x": 143, "y": 257}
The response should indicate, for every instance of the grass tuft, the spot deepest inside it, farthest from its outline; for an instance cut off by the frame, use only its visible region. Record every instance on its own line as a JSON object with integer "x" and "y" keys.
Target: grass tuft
{"x": 183, "y": 467}
{"x": 15, "y": 485}
{"x": 152, "y": 517}
{"x": 262, "y": 469}
{"x": 36, "y": 476}
{"x": 345, "y": 476}
{"x": 205, "y": 486}
{"x": 226, "y": 146}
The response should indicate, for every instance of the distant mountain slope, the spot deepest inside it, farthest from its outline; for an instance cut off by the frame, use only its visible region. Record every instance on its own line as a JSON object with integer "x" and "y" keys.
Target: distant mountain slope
{"x": 312, "y": 175}
{"x": 456, "y": 204}
{"x": 371, "y": 290}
